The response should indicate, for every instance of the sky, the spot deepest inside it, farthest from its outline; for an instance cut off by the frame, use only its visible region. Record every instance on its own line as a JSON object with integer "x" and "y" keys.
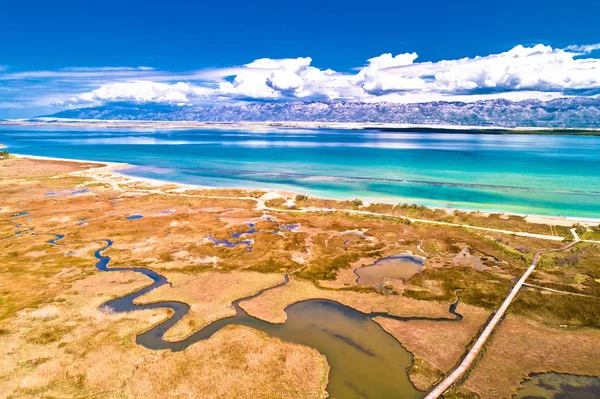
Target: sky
{"x": 63, "y": 54}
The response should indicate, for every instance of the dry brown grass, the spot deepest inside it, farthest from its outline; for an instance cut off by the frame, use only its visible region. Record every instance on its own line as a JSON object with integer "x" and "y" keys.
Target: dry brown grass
{"x": 345, "y": 278}
{"x": 16, "y": 168}
{"x": 434, "y": 361}
{"x": 520, "y": 348}
{"x": 270, "y": 305}
{"x": 473, "y": 218}
{"x": 46, "y": 351}
{"x": 226, "y": 192}
{"x": 209, "y": 295}
{"x": 71, "y": 349}
{"x": 55, "y": 343}
{"x": 237, "y": 362}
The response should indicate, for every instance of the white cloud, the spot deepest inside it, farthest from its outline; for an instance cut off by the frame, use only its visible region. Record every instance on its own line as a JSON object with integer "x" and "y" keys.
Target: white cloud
{"x": 142, "y": 91}
{"x": 375, "y": 78}
{"x": 585, "y": 49}
{"x": 274, "y": 78}
{"x": 538, "y": 68}
{"x": 540, "y": 72}
{"x": 533, "y": 68}
{"x": 107, "y": 69}
{"x": 81, "y": 73}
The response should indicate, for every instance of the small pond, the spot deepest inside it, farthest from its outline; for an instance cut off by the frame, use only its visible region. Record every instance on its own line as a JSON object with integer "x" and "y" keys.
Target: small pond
{"x": 397, "y": 266}
{"x": 560, "y": 386}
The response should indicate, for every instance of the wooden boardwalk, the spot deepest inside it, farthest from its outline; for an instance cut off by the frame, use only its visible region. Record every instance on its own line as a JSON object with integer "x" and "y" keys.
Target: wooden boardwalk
{"x": 476, "y": 348}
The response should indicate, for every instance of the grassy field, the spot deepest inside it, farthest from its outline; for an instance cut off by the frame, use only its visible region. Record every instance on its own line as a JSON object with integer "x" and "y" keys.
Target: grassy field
{"x": 432, "y": 362}
{"x": 209, "y": 297}
{"x": 520, "y": 348}
{"x": 60, "y": 345}
{"x": 413, "y": 211}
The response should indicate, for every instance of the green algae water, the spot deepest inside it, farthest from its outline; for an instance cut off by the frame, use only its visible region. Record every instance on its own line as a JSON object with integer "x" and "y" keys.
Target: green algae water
{"x": 528, "y": 174}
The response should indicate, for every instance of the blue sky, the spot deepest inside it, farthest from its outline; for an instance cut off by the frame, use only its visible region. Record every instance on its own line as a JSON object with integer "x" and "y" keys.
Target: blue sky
{"x": 54, "y": 52}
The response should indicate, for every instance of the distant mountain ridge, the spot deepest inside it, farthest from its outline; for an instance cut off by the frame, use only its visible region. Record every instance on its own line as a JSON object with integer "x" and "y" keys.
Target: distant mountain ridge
{"x": 574, "y": 112}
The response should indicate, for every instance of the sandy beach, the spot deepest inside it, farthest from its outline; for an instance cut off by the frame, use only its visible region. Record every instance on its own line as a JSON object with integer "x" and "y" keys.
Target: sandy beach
{"x": 111, "y": 173}
{"x": 59, "y": 218}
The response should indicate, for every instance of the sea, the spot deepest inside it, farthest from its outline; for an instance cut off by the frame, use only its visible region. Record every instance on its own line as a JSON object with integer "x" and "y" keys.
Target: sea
{"x": 513, "y": 173}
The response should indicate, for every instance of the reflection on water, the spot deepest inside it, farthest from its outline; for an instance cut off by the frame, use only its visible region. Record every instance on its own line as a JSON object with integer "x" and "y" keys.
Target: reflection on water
{"x": 399, "y": 266}
{"x": 16, "y": 215}
{"x": 509, "y": 173}
{"x": 365, "y": 361}
{"x": 560, "y": 386}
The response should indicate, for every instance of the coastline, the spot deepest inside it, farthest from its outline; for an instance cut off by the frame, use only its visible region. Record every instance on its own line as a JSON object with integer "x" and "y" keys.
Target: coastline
{"x": 265, "y": 126}
{"x": 208, "y": 277}
{"x": 113, "y": 168}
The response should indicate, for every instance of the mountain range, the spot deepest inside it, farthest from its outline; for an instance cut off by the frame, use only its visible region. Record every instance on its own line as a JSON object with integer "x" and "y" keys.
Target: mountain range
{"x": 571, "y": 112}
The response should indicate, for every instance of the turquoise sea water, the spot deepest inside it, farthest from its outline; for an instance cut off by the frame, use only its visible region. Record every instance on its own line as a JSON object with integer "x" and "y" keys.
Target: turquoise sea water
{"x": 529, "y": 174}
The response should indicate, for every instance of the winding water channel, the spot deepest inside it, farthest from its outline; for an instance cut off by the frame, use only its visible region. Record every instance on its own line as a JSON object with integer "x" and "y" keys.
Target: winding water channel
{"x": 365, "y": 361}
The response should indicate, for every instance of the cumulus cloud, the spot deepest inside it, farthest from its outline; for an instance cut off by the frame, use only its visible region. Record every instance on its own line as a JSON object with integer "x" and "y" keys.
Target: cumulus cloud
{"x": 522, "y": 72}
{"x": 538, "y": 68}
{"x": 522, "y": 68}
{"x": 142, "y": 91}
{"x": 285, "y": 79}
{"x": 379, "y": 77}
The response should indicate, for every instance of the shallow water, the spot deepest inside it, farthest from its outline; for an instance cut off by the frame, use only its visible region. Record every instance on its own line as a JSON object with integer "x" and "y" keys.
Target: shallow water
{"x": 57, "y": 237}
{"x": 365, "y": 361}
{"x": 289, "y": 227}
{"x": 399, "y": 266}
{"x": 560, "y": 386}
{"x": 251, "y": 230}
{"x": 16, "y": 215}
{"x": 552, "y": 175}
{"x": 232, "y": 244}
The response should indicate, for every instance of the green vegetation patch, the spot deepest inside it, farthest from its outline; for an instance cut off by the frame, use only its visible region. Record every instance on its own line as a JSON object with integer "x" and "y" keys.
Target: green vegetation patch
{"x": 484, "y": 289}
{"x": 579, "y": 268}
{"x": 558, "y": 309}
{"x": 326, "y": 268}
{"x": 271, "y": 265}
{"x": 424, "y": 372}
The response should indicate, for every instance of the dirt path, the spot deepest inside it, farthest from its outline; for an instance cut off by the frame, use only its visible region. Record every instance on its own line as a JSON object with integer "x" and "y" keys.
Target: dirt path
{"x": 113, "y": 179}
{"x": 108, "y": 173}
{"x": 412, "y": 220}
{"x": 476, "y": 348}
{"x": 539, "y": 287}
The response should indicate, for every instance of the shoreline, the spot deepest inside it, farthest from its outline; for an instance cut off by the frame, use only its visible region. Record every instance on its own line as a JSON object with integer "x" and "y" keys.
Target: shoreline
{"x": 265, "y": 126}
{"x": 115, "y": 167}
